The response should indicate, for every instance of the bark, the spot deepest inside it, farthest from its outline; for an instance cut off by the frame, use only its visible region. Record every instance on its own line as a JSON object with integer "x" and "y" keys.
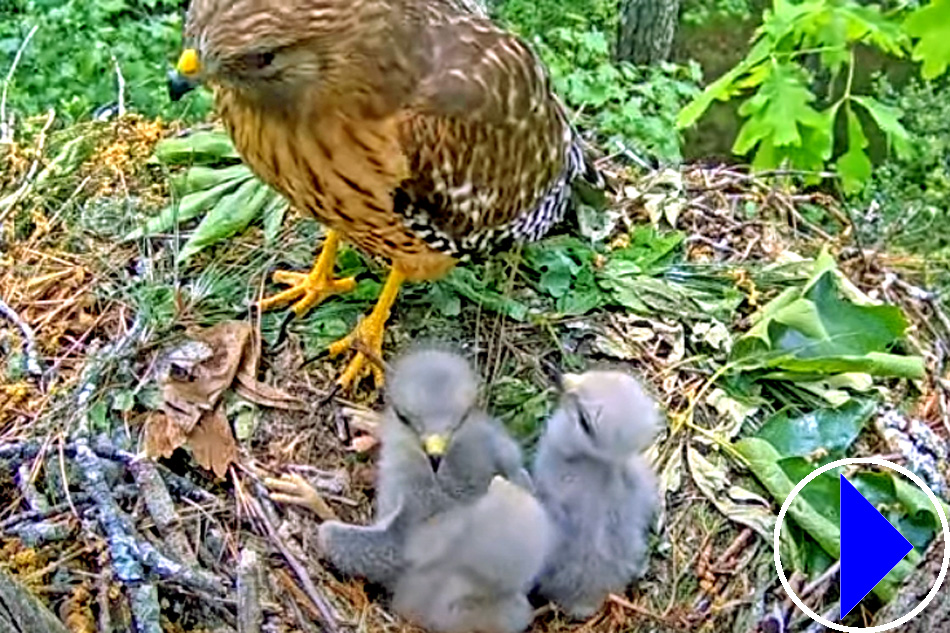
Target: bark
{"x": 22, "y": 612}
{"x": 646, "y": 30}
{"x": 936, "y": 617}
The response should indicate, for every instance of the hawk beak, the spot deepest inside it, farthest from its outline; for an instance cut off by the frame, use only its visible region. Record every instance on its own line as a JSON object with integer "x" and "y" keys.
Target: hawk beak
{"x": 434, "y": 447}
{"x": 184, "y": 78}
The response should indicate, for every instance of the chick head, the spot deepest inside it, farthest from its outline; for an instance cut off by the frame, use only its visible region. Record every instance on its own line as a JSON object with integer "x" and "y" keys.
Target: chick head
{"x": 605, "y": 414}
{"x": 432, "y": 392}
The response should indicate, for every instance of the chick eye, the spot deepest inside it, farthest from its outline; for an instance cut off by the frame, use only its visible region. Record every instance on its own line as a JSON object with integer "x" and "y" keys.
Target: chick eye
{"x": 402, "y": 417}
{"x": 584, "y": 420}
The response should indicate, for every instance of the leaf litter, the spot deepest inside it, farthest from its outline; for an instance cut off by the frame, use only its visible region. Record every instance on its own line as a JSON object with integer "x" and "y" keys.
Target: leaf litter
{"x": 772, "y": 340}
{"x": 196, "y": 377}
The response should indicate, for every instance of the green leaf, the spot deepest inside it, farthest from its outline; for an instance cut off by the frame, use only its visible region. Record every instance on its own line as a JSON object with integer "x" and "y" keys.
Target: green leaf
{"x": 561, "y": 268}
{"x": 854, "y": 166}
{"x": 466, "y": 282}
{"x": 888, "y": 119}
{"x": 191, "y": 206}
{"x": 822, "y": 432}
{"x": 726, "y": 86}
{"x": 813, "y": 330}
{"x": 763, "y": 461}
{"x": 776, "y": 112}
{"x": 273, "y": 216}
{"x": 197, "y": 148}
{"x": 199, "y": 178}
{"x": 930, "y": 25}
{"x": 231, "y": 215}
{"x": 867, "y": 24}
{"x": 902, "y": 503}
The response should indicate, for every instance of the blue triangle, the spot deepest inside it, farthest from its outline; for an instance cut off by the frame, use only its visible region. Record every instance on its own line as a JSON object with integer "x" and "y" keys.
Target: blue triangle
{"x": 870, "y": 547}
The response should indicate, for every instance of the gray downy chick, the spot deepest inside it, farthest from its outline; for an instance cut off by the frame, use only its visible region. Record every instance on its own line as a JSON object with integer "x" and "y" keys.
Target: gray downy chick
{"x": 469, "y": 569}
{"x": 601, "y": 494}
{"x": 438, "y": 450}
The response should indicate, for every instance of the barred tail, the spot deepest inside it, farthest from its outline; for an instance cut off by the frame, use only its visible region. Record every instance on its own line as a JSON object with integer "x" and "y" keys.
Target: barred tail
{"x": 580, "y": 165}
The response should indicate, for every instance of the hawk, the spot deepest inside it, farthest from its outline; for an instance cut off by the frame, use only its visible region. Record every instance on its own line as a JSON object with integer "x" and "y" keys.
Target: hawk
{"x": 417, "y": 130}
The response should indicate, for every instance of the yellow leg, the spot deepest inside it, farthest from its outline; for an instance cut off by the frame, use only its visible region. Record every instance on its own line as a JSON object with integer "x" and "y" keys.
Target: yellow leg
{"x": 369, "y": 334}
{"x": 311, "y": 288}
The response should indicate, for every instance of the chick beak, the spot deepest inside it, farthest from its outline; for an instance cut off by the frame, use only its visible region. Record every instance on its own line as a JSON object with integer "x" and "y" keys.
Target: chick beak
{"x": 184, "y": 78}
{"x": 434, "y": 447}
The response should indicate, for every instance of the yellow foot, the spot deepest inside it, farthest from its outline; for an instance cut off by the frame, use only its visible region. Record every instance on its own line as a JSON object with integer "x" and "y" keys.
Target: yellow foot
{"x": 366, "y": 339}
{"x": 311, "y": 288}
{"x": 296, "y": 490}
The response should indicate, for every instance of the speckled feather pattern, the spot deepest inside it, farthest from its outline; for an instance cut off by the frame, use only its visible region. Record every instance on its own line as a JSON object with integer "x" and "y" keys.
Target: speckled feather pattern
{"x": 420, "y": 130}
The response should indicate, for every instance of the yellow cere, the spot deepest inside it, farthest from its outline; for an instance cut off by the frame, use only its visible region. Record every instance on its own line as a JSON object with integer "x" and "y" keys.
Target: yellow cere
{"x": 188, "y": 63}
{"x": 434, "y": 444}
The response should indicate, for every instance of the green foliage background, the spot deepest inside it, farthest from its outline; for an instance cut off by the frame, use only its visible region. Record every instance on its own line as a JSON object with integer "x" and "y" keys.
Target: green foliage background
{"x": 798, "y": 106}
{"x": 69, "y": 65}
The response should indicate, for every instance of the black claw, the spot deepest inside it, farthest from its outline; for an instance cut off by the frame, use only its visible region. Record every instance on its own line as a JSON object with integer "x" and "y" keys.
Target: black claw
{"x": 314, "y": 359}
{"x": 285, "y": 328}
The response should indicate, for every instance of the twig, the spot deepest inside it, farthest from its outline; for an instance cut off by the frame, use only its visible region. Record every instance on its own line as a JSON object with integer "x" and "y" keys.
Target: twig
{"x": 42, "y": 515}
{"x": 162, "y": 510}
{"x": 326, "y": 614}
{"x": 36, "y": 501}
{"x": 6, "y": 127}
{"x": 249, "y": 614}
{"x": 31, "y": 362}
{"x": 120, "y": 80}
{"x": 102, "y": 600}
{"x": 821, "y": 580}
{"x": 143, "y": 595}
{"x": 296, "y": 595}
{"x": 817, "y": 627}
{"x": 20, "y": 451}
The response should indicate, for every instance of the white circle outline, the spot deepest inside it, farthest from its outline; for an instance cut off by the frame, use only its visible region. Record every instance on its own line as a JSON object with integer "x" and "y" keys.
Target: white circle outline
{"x": 879, "y": 628}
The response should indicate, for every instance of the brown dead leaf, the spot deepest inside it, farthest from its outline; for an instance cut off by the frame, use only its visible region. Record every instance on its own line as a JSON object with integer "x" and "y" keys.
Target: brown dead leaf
{"x": 162, "y": 435}
{"x": 213, "y": 444}
{"x": 188, "y": 394}
{"x": 267, "y": 396}
{"x": 249, "y": 388}
{"x": 192, "y": 392}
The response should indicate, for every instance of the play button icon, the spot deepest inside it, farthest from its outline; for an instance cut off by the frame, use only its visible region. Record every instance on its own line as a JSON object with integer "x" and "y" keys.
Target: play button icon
{"x": 870, "y": 547}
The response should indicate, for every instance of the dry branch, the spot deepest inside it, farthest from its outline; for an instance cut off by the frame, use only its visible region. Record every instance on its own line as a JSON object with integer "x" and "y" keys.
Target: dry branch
{"x": 21, "y": 612}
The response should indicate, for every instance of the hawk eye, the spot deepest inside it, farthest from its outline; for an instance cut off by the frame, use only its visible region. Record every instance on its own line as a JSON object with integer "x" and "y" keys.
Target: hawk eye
{"x": 258, "y": 60}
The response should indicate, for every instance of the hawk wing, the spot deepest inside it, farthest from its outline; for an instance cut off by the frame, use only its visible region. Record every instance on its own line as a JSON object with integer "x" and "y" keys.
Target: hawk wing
{"x": 484, "y": 136}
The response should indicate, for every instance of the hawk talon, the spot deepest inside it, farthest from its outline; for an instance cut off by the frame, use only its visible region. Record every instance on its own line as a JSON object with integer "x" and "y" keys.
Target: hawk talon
{"x": 368, "y": 336}
{"x": 310, "y": 289}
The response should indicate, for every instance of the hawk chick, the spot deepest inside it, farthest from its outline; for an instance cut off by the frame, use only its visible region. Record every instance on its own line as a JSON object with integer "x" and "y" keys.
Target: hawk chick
{"x": 597, "y": 488}
{"x": 438, "y": 451}
{"x": 469, "y": 569}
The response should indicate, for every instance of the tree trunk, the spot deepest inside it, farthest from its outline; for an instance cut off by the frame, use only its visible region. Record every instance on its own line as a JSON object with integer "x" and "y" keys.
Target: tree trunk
{"x": 21, "y": 612}
{"x": 646, "y": 30}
